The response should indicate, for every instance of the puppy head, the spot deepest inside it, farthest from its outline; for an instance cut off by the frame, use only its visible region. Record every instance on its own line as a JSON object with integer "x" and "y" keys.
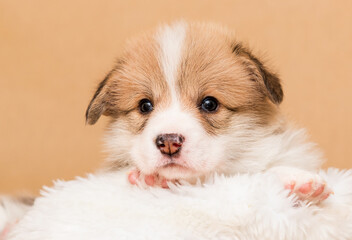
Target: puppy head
{"x": 185, "y": 101}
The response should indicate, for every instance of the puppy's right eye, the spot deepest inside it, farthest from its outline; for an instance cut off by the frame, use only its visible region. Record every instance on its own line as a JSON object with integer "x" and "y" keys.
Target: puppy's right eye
{"x": 145, "y": 106}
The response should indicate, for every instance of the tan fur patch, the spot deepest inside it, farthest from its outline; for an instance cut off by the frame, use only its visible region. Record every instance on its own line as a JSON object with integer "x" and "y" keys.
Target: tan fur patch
{"x": 137, "y": 76}
{"x": 210, "y": 67}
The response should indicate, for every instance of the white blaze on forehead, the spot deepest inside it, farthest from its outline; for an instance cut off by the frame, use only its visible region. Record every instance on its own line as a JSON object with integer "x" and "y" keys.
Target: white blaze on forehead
{"x": 171, "y": 39}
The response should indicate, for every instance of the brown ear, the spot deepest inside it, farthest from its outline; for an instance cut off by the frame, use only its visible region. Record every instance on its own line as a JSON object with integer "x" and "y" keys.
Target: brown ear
{"x": 98, "y": 104}
{"x": 269, "y": 81}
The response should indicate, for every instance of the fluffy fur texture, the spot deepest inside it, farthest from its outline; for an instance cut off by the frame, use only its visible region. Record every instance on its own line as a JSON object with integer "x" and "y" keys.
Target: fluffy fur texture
{"x": 242, "y": 207}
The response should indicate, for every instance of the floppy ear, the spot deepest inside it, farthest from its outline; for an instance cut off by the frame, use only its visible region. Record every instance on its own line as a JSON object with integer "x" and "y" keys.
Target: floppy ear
{"x": 268, "y": 81}
{"x": 98, "y": 104}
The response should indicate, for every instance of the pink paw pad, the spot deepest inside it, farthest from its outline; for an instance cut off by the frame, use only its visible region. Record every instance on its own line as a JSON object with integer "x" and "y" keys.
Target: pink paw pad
{"x": 151, "y": 180}
{"x": 311, "y": 191}
{"x": 305, "y": 188}
{"x": 133, "y": 177}
{"x": 319, "y": 191}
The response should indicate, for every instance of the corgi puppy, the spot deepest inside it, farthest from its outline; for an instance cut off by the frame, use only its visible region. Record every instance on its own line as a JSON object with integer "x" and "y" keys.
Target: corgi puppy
{"x": 188, "y": 100}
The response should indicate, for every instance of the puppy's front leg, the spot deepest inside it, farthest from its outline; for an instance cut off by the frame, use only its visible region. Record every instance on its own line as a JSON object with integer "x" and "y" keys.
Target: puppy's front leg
{"x": 308, "y": 186}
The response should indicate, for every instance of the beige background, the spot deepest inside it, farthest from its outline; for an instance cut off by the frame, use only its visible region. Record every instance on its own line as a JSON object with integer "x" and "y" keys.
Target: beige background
{"x": 53, "y": 53}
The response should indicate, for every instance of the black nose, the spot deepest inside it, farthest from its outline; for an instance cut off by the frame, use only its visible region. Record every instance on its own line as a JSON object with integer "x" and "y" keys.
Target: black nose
{"x": 170, "y": 143}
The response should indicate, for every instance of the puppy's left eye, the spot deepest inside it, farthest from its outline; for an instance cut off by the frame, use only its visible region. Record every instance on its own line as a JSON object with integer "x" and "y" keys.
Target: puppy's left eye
{"x": 209, "y": 104}
{"x": 145, "y": 106}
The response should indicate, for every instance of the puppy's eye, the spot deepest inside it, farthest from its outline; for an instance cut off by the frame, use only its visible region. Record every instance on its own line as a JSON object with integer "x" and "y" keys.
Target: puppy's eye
{"x": 145, "y": 106}
{"x": 209, "y": 104}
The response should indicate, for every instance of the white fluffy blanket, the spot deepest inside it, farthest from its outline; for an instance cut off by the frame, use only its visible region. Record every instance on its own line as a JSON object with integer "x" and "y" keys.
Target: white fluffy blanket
{"x": 255, "y": 206}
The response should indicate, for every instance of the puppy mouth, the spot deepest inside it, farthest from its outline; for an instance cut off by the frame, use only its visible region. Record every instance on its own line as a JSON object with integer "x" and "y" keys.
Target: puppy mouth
{"x": 176, "y": 170}
{"x": 172, "y": 163}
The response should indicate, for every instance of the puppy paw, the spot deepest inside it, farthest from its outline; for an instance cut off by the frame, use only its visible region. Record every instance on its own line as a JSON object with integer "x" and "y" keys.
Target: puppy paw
{"x": 308, "y": 187}
{"x": 153, "y": 180}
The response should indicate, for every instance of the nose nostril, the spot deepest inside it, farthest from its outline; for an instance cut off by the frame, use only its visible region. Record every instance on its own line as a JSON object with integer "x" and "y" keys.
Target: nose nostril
{"x": 161, "y": 145}
{"x": 176, "y": 145}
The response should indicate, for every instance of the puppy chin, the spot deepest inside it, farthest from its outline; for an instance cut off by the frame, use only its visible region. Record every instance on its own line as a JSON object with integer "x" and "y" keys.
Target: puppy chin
{"x": 170, "y": 168}
{"x": 176, "y": 171}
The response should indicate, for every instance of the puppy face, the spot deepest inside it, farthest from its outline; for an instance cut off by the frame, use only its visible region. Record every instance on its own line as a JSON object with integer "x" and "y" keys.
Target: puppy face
{"x": 185, "y": 101}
